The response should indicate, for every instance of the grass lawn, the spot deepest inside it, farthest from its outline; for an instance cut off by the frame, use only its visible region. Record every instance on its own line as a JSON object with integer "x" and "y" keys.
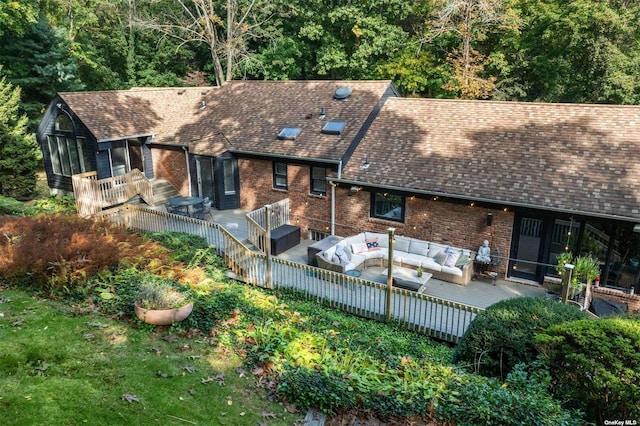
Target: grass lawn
{"x": 64, "y": 367}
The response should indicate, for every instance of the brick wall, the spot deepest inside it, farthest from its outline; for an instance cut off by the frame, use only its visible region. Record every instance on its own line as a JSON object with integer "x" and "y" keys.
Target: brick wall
{"x": 171, "y": 164}
{"x": 309, "y": 211}
{"x": 459, "y": 225}
{"x": 631, "y": 300}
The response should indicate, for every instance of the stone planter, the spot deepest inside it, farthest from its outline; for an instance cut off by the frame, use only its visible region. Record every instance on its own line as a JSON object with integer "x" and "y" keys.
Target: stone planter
{"x": 163, "y": 316}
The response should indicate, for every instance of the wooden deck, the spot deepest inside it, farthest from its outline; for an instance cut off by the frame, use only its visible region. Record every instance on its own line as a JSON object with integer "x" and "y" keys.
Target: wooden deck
{"x": 480, "y": 292}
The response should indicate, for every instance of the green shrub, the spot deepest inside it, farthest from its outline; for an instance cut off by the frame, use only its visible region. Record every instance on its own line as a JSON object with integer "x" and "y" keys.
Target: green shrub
{"x": 596, "y": 366}
{"x": 522, "y": 400}
{"x": 503, "y": 335}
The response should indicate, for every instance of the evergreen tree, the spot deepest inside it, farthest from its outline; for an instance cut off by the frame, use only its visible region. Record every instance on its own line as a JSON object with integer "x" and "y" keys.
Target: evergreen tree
{"x": 18, "y": 161}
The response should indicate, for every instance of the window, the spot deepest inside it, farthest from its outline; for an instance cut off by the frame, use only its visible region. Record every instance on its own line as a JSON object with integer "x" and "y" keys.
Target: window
{"x": 318, "y": 181}
{"x": 280, "y": 176}
{"x": 68, "y": 155}
{"x": 387, "y": 206}
{"x": 289, "y": 133}
{"x": 228, "y": 165}
{"x": 333, "y": 127}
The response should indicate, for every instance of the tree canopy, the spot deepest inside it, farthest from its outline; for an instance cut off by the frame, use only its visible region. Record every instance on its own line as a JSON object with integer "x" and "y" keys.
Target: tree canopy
{"x": 523, "y": 50}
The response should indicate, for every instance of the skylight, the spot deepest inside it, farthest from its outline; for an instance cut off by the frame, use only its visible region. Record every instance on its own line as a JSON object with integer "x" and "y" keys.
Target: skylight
{"x": 289, "y": 133}
{"x": 333, "y": 127}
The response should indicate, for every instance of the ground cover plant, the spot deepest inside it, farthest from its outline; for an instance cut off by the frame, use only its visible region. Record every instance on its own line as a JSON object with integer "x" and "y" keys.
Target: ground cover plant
{"x": 502, "y": 336}
{"x": 596, "y": 366}
{"x": 303, "y": 354}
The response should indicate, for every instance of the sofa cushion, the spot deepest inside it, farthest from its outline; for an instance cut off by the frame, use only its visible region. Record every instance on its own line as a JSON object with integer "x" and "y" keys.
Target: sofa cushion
{"x": 355, "y": 239}
{"x": 435, "y": 248}
{"x": 359, "y": 248}
{"x": 452, "y": 256}
{"x": 402, "y": 244}
{"x": 440, "y": 258}
{"x": 341, "y": 254}
{"x": 430, "y": 264}
{"x": 463, "y": 260}
{"x": 452, "y": 270}
{"x": 372, "y": 244}
{"x": 419, "y": 247}
{"x": 383, "y": 239}
{"x": 373, "y": 254}
{"x": 330, "y": 252}
{"x": 409, "y": 258}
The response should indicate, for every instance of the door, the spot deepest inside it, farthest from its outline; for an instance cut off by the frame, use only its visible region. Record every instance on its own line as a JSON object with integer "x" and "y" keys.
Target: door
{"x": 125, "y": 156}
{"x": 527, "y": 249}
{"x": 205, "y": 177}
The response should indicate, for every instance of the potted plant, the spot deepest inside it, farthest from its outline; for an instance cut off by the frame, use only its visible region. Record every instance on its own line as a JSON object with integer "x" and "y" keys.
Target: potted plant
{"x": 419, "y": 271}
{"x": 586, "y": 269}
{"x": 159, "y": 303}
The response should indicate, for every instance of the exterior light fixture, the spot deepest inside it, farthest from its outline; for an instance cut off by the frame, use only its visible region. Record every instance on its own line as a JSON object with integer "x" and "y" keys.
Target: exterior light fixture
{"x": 203, "y": 105}
{"x": 489, "y": 219}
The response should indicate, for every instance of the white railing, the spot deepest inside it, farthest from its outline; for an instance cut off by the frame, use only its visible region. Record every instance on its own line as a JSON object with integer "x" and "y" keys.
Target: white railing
{"x": 257, "y": 221}
{"x": 93, "y": 195}
{"x": 436, "y": 317}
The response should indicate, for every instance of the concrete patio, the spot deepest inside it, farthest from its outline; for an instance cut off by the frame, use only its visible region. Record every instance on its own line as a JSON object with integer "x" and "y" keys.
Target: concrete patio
{"x": 480, "y": 292}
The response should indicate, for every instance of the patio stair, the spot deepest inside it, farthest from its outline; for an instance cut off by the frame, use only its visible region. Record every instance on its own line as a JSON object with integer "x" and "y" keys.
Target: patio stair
{"x": 162, "y": 191}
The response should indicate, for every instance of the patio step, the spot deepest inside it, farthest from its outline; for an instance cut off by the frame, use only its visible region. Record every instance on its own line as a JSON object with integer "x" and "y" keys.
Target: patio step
{"x": 162, "y": 191}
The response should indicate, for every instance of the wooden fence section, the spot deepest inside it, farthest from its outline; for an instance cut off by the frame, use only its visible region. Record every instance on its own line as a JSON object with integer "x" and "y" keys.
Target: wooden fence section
{"x": 257, "y": 221}
{"x": 93, "y": 195}
{"x": 439, "y": 318}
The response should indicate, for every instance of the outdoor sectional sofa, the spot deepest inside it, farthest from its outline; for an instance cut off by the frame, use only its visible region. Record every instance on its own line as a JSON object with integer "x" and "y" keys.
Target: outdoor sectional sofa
{"x": 372, "y": 249}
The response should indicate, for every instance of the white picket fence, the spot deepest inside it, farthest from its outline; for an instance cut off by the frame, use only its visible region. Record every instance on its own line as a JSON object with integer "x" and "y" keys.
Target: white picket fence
{"x": 436, "y": 317}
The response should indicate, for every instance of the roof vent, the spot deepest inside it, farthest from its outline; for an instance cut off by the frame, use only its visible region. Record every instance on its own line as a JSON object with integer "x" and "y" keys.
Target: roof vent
{"x": 289, "y": 133}
{"x": 342, "y": 93}
{"x": 333, "y": 127}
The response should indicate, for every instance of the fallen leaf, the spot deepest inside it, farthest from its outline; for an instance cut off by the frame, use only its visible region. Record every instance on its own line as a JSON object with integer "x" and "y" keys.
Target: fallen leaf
{"x": 17, "y": 323}
{"x": 161, "y": 374}
{"x": 217, "y": 378}
{"x": 130, "y": 398}
{"x": 158, "y": 351}
{"x": 188, "y": 368}
{"x": 241, "y": 372}
{"x": 97, "y": 324}
{"x": 267, "y": 415}
{"x": 171, "y": 339}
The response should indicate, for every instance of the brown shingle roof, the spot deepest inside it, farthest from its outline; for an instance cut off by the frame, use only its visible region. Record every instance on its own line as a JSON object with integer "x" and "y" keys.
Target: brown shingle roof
{"x": 565, "y": 157}
{"x": 245, "y": 116}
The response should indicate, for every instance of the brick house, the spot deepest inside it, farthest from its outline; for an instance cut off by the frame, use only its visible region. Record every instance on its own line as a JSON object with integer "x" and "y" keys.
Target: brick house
{"x": 531, "y": 178}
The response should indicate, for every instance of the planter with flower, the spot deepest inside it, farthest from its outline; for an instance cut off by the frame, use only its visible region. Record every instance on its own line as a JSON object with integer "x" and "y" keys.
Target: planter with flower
{"x": 586, "y": 269}
{"x": 159, "y": 303}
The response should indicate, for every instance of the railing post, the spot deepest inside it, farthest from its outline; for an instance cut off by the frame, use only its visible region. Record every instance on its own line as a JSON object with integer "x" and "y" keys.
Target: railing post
{"x": 267, "y": 243}
{"x": 566, "y": 282}
{"x": 125, "y": 215}
{"x": 390, "y": 273}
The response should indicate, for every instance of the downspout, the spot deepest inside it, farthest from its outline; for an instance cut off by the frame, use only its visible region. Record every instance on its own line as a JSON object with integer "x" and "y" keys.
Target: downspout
{"x": 186, "y": 155}
{"x": 333, "y": 200}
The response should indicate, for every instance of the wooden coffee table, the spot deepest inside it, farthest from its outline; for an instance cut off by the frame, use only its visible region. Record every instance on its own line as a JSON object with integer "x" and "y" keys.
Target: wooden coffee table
{"x": 408, "y": 278}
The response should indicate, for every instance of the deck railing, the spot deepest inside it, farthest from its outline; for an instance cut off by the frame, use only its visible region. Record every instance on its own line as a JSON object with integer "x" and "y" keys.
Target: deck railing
{"x": 436, "y": 317}
{"x": 257, "y": 221}
{"x": 93, "y": 194}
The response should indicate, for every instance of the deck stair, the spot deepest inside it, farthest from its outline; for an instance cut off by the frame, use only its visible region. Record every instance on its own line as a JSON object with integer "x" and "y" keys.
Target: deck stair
{"x": 163, "y": 190}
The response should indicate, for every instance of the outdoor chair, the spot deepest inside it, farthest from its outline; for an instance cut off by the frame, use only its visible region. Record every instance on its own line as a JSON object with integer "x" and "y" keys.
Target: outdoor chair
{"x": 207, "y": 207}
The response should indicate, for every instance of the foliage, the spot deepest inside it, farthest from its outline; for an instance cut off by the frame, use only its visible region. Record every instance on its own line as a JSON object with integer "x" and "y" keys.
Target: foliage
{"x": 503, "y": 335}
{"x": 17, "y": 149}
{"x": 59, "y": 252}
{"x": 158, "y": 293}
{"x": 15, "y": 16}
{"x": 523, "y": 399}
{"x": 595, "y": 366}
{"x": 585, "y": 268}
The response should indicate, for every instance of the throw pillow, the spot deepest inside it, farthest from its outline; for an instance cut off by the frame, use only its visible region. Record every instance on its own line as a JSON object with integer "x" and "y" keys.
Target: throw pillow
{"x": 358, "y": 248}
{"x": 452, "y": 257}
{"x": 440, "y": 258}
{"x": 463, "y": 261}
{"x": 342, "y": 256}
{"x": 372, "y": 244}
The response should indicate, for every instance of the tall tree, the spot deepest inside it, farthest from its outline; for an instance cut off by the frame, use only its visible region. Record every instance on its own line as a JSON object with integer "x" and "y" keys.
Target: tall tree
{"x": 470, "y": 21}
{"x": 15, "y": 16}
{"x": 18, "y": 161}
{"x": 225, "y": 27}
